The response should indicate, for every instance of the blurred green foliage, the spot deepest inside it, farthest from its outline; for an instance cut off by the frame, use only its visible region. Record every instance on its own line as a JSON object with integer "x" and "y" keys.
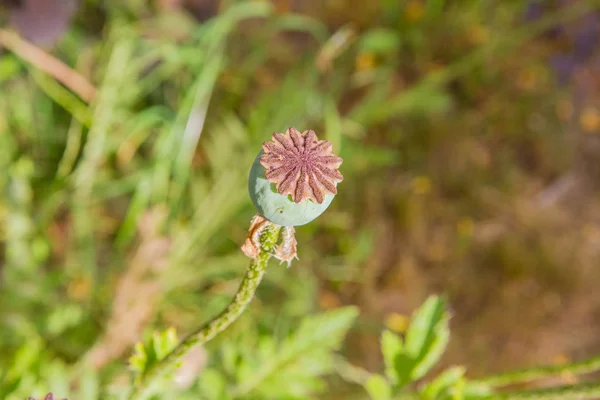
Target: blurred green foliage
{"x": 124, "y": 215}
{"x": 409, "y": 360}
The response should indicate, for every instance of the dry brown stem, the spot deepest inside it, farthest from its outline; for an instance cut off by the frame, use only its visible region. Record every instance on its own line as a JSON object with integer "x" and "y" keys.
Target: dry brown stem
{"x": 48, "y": 63}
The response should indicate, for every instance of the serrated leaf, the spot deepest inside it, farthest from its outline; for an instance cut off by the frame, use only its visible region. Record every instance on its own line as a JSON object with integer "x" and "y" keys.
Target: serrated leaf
{"x": 138, "y": 360}
{"x": 378, "y": 387}
{"x": 445, "y": 380}
{"x": 434, "y": 352}
{"x": 326, "y": 329}
{"x": 422, "y": 326}
{"x": 391, "y": 347}
{"x": 404, "y": 366}
{"x": 316, "y": 337}
{"x": 152, "y": 350}
{"x": 398, "y": 365}
{"x": 427, "y": 335}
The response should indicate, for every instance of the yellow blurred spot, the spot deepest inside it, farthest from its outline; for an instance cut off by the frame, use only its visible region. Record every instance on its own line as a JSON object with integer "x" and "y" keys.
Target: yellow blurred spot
{"x": 465, "y": 227}
{"x": 589, "y": 120}
{"x": 561, "y": 358}
{"x": 172, "y": 334}
{"x": 477, "y": 34}
{"x": 365, "y": 62}
{"x": 527, "y": 79}
{"x": 397, "y": 322}
{"x": 421, "y": 185}
{"x": 414, "y": 10}
{"x": 568, "y": 378}
{"x": 437, "y": 252}
{"x": 79, "y": 288}
{"x": 328, "y": 300}
{"x": 564, "y": 109}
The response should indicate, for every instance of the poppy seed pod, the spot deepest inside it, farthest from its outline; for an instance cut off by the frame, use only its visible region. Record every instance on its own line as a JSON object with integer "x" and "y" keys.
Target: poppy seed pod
{"x": 294, "y": 178}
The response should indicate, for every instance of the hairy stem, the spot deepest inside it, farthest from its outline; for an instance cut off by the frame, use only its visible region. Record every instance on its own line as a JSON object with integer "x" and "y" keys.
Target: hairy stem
{"x": 532, "y": 374}
{"x": 206, "y": 332}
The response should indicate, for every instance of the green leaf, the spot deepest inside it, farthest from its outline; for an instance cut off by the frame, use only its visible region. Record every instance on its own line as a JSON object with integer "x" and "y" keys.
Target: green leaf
{"x": 138, "y": 360}
{"x": 379, "y": 41}
{"x": 434, "y": 352}
{"x": 476, "y": 391}
{"x": 378, "y": 387}
{"x": 326, "y": 330}
{"x": 25, "y": 357}
{"x": 426, "y": 339}
{"x": 302, "y": 23}
{"x": 306, "y": 354}
{"x": 427, "y": 335}
{"x": 434, "y": 8}
{"x": 445, "y": 380}
{"x": 152, "y": 350}
{"x": 333, "y": 124}
{"x": 63, "y": 317}
{"x": 9, "y": 67}
{"x": 89, "y": 384}
{"x": 391, "y": 347}
{"x": 212, "y": 384}
{"x": 365, "y": 157}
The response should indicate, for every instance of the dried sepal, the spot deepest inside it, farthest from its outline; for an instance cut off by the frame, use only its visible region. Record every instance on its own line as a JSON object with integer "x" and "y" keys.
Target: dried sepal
{"x": 285, "y": 251}
{"x": 251, "y": 246}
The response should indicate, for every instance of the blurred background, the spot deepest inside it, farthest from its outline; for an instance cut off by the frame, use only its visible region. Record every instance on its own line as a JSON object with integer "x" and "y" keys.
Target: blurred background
{"x": 470, "y": 136}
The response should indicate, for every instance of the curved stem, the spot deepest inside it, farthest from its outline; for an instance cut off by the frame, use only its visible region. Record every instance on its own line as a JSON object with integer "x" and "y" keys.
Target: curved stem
{"x": 206, "y": 332}
{"x": 588, "y": 390}
{"x": 532, "y": 374}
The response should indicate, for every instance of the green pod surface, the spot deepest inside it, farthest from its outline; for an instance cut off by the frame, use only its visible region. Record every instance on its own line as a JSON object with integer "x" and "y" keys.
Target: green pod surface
{"x": 279, "y": 209}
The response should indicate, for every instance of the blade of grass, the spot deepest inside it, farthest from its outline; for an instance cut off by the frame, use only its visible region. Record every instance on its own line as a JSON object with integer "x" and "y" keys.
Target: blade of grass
{"x": 67, "y": 161}
{"x": 104, "y": 116}
{"x": 62, "y": 97}
{"x": 333, "y": 124}
{"x": 580, "y": 391}
{"x": 195, "y": 124}
{"x": 543, "y": 372}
